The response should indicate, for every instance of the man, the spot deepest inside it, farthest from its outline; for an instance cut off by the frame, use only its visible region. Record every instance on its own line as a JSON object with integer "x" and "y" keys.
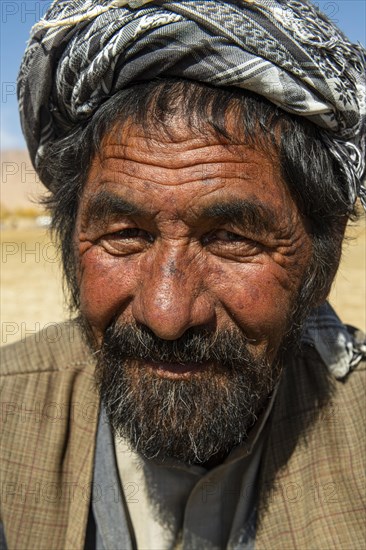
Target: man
{"x": 203, "y": 159}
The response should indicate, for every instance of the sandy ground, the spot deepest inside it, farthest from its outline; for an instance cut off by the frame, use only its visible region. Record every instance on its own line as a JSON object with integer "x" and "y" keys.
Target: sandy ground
{"x": 31, "y": 295}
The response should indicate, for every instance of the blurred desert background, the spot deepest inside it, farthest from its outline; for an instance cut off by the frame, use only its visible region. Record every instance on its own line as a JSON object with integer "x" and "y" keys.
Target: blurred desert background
{"x": 31, "y": 291}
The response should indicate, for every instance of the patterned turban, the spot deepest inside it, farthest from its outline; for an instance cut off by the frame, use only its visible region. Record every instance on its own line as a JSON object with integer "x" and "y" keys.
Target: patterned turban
{"x": 82, "y": 52}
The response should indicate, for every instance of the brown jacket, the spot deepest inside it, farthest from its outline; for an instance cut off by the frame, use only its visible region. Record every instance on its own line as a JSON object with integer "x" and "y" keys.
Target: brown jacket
{"x": 312, "y": 491}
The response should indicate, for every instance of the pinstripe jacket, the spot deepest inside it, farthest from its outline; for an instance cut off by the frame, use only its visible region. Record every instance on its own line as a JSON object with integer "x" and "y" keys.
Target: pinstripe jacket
{"x": 312, "y": 489}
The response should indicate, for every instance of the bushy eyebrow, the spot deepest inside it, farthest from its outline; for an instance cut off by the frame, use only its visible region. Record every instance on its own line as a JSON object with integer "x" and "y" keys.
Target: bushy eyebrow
{"x": 251, "y": 214}
{"x": 104, "y": 206}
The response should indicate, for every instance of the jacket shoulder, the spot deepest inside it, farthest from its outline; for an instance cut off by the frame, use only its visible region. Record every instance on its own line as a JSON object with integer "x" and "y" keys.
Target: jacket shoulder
{"x": 313, "y": 471}
{"x": 57, "y": 347}
{"x": 49, "y": 413}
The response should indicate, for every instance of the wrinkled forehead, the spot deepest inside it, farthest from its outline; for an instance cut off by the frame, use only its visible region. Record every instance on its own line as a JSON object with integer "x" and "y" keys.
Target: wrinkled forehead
{"x": 180, "y": 168}
{"x": 179, "y": 130}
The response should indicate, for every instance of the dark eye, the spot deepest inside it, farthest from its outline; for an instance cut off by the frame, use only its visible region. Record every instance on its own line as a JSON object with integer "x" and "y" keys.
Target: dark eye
{"x": 132, "y": 233}
{"x": 229, "y": 236}
{"x": 231, "y": 245}
{"x": 131, "y": 240}
{"x": 223, "y": 236}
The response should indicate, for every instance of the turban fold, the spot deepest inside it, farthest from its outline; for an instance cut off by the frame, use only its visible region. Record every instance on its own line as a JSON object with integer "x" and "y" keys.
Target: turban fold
{"x": 82, "y": 52}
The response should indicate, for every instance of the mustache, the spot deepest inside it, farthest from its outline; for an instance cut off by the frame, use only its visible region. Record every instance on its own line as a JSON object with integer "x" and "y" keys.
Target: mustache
{"x": 191, "y": 420}
{"x": 130, "y": 341}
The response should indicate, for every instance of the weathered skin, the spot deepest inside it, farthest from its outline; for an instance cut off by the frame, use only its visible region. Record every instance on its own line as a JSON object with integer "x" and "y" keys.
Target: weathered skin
{"x": 171, "y": 264}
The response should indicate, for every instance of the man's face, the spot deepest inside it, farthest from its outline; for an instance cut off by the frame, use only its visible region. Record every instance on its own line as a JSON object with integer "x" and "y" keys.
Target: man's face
{"x": 186, "y": 244}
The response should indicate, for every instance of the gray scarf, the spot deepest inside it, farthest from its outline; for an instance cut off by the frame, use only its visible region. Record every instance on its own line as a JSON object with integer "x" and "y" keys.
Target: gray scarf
{"x": 83, "y": 52}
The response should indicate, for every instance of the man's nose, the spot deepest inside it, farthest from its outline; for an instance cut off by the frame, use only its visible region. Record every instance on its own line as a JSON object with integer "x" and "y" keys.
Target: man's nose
{"x": 172, "y": 297}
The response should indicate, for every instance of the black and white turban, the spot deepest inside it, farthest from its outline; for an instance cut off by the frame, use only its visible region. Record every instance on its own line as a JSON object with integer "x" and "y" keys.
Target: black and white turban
{"x": 82, "y": 52}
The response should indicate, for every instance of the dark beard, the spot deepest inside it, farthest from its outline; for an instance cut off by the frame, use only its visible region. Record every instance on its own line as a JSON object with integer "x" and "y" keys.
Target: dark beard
{"x": 192, "y": 419}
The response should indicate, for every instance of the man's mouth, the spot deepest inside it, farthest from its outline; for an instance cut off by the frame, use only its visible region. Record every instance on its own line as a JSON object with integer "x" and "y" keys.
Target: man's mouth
{"x": 174, "y": 370}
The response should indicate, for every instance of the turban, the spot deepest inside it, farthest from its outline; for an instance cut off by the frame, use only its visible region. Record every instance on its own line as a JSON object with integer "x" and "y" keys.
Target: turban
{"x": 83, "y": 52}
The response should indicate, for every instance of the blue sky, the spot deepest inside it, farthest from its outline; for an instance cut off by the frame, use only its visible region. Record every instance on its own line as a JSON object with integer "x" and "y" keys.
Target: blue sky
{"x": 18, "y": 16}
